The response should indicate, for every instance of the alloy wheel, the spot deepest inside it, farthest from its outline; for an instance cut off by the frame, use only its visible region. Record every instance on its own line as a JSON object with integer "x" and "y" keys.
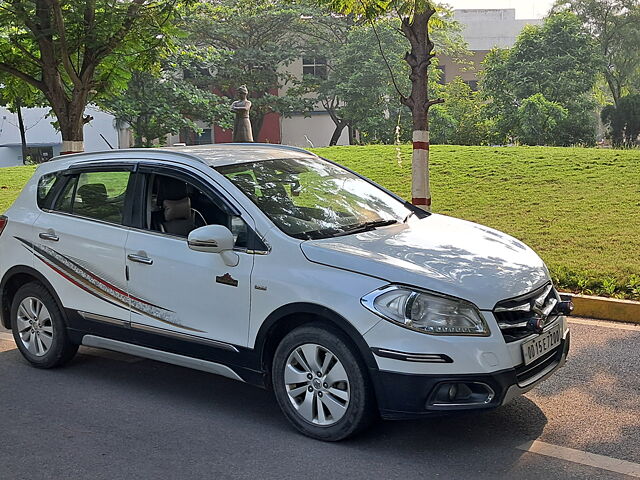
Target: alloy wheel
{"x": 317, "y": 384}
{"x": 35, "y": 326}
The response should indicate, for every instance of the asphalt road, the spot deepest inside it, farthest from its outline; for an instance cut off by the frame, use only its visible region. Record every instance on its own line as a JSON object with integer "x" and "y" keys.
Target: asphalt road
{"x": 112, "y": 416}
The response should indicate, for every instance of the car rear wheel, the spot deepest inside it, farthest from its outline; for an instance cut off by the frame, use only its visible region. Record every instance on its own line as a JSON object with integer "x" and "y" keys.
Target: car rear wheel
{"x": 39, "y": 329}
{"x": 320, "y": 384}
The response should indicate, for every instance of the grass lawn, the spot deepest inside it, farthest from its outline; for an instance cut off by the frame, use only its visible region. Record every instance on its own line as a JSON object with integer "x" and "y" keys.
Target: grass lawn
{"x": 578, "y": 208}
{"x": 12, "y": 179}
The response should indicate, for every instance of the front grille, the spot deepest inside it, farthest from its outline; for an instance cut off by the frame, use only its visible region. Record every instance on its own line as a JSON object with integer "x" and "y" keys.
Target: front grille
{"x": 514, "y": 315}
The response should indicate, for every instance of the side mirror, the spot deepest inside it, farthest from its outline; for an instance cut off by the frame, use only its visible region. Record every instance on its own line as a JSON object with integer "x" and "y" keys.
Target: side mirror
{"x": 211, "y": 239}
{"x": 214, "y": 239}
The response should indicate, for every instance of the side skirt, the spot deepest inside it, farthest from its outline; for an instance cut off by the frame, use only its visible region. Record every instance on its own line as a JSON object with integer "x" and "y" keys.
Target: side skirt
{"x": 168, "y": 347}
{"x": 160, "y": 356}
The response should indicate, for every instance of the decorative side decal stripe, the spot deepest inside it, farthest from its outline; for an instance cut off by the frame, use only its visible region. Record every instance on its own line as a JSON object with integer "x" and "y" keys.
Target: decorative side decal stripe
{"x": 96, "y": 286}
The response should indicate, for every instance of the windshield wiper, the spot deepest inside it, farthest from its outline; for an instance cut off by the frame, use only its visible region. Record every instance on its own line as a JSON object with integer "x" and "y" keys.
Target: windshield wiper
{"x": 364, "y": 227}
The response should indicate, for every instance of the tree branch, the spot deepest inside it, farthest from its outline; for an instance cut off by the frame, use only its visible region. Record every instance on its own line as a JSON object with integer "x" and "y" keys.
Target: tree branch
{"x": 21, "y": 75}
{"x": 131, "y": 17}
{"x": 386, "y": 62}
{"x": 64, "y": 50}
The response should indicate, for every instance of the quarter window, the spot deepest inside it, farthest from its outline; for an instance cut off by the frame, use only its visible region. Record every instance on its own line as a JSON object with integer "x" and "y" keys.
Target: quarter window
{"x": 97, "y": 195}
{"x": 45, "y": 184}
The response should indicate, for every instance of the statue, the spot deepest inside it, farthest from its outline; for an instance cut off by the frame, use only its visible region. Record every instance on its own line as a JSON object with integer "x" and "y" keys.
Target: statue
{"x": 242, "y": 124}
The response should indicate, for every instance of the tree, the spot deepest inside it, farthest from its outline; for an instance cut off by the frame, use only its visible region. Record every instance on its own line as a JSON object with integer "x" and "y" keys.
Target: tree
{"x": 538, "y": 120}
{"x": 557, "y": 60}
{"x": 460, "y": 120}
{"x": 417, "y": 19}
{"x": 250, "y": 42}
{"x": 364, "y": 65}
{"x": 615, "y": 26}
{"x": 623, "y": 121}
{"x": 75, "y": 51}
{"x": 155, "y": 106}
{"x": 355, "y": 91}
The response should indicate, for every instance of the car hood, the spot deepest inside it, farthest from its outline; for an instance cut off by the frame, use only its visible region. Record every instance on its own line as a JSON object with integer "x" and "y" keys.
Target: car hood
{"x": 441, "y": 254}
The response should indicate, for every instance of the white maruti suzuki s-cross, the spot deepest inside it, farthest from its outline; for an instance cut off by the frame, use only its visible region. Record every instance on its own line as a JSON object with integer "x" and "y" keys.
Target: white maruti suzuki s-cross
{"x": 272, "y": 266}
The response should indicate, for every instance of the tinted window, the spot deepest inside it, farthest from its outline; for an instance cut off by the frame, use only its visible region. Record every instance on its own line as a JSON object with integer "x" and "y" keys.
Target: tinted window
{"x": 98, "y": 195}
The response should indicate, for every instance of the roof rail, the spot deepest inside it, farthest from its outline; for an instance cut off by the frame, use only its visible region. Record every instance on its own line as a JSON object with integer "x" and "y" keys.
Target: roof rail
{"x": 276, "y": 146}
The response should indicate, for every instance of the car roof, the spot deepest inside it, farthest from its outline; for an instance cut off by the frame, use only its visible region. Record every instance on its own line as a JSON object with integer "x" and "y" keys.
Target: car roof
{"x": 214, "y": 155}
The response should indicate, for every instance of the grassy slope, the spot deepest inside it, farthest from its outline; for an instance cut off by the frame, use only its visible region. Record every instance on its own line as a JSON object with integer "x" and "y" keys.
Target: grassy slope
{"x": 579, "y": 208}
{"x": 12, "y": 180}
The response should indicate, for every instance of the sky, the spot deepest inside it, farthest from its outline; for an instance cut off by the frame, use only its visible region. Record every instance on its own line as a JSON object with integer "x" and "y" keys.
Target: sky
{"x": 524, "y": 8}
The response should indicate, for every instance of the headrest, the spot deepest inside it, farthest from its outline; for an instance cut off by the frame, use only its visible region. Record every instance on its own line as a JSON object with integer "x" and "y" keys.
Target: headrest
{"x": 93, "y": 193}
{"x": 172, "y": 189}
{"x": 177, "y": 209}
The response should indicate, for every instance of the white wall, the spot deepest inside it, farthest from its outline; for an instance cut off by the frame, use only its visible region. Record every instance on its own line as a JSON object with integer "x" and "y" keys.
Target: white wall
{"x": 488, "y": 28}
{"x": 40, "y": 131}
{"x": 318, "y": 128}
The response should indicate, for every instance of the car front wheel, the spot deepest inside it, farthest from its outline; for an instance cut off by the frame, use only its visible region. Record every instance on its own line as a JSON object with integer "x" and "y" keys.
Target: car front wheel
{"x": 320, "y": 384}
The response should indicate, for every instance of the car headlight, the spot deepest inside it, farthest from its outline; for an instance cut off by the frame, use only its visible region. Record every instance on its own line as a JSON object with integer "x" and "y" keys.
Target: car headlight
{"x": 426, "y": 312}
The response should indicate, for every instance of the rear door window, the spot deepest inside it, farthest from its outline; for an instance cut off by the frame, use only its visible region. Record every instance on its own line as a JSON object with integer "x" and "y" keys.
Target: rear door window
{"x": 98, "y": 195}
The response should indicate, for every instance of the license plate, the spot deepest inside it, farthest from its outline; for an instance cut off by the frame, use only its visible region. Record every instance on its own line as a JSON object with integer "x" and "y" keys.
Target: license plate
{"x": 544, "y": 343}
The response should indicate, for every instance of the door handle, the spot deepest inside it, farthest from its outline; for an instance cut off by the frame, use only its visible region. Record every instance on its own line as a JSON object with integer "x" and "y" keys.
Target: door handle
{"x": 140, "y": 259}
{"x": 49, "y": 236}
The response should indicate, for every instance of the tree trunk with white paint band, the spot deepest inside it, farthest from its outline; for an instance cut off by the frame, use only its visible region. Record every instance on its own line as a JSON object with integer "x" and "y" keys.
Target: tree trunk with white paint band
{"x": 70, "y": 146}
{"x": 420, "y": 189}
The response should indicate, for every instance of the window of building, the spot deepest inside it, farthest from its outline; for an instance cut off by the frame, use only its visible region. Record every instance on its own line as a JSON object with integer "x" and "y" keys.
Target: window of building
{"x": 473, "y": 84}
{"x": 314, "y": 66}
{"x": 191, "y": 137}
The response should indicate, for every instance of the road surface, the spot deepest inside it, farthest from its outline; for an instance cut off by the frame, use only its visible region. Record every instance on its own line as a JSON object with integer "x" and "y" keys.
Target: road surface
{"x": 112, "y": 416}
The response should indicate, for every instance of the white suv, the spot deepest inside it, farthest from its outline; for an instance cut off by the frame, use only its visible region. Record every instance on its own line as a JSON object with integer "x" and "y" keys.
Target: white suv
{"x": 272, "y": 266}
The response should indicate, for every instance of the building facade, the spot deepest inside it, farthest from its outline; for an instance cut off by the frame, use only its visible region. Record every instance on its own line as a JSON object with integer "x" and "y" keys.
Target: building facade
{"x": 483, "y": 30}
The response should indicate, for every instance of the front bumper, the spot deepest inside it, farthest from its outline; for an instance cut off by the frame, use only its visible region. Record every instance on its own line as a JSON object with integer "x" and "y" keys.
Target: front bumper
{"x": 403, "y": 395}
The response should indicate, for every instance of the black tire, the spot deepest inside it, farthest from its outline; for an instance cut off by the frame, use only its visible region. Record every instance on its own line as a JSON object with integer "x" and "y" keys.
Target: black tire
{"x": 360, "y": 409}
{"x": 61, "y": 350}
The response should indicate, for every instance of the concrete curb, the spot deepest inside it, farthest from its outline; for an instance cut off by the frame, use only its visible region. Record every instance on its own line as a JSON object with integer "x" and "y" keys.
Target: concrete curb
{"x": 603, "y": 308}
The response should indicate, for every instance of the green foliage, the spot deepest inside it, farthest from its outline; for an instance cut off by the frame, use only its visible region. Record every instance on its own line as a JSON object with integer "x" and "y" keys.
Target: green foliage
{"x": 460, "y": 120}
{"x": 614, "y": 25}
{"x": 557, "y": 60}
{"x": 156, "y": 106}
{"x": 75, "y": 52}
{"x": 623, "y": 121}
{"x": 538, "y": 120}
{"x": 358, "y": 87}
{"x": 249, "y": 42}
{"x": 367, "y": 68}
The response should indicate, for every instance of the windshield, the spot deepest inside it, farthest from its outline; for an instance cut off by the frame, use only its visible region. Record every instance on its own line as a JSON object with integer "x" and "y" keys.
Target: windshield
{"x": 314, "y": 198}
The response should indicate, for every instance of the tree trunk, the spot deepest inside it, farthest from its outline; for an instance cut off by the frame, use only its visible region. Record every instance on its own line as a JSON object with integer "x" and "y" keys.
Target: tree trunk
{"x": 337, "y": 132}
{"x": 23, "y": 134}
{"x": 416, "y": 30}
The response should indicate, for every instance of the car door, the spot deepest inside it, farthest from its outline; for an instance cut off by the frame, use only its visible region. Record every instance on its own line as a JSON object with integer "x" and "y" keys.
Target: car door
{"x": 176, "y": 291}
{"x": 79, "y": 242}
